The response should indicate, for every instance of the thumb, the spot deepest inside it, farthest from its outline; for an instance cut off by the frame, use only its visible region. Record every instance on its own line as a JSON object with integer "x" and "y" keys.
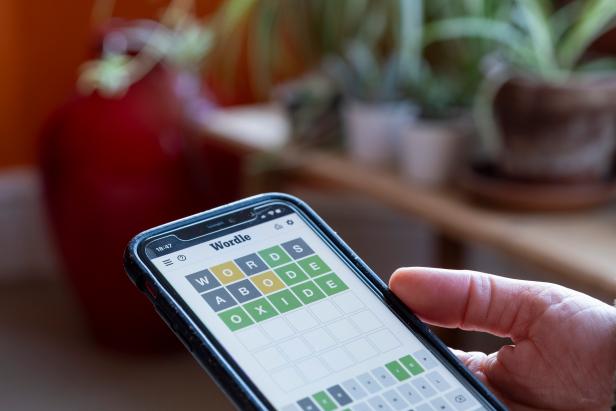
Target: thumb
{"x": 467, "y": 299}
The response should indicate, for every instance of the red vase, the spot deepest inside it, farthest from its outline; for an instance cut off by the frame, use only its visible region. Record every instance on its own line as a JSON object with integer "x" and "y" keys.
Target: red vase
{"x": 111, "y": 168}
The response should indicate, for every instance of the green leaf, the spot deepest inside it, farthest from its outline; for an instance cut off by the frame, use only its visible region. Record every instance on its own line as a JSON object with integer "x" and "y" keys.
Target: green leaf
{"x": 596, "y": 17}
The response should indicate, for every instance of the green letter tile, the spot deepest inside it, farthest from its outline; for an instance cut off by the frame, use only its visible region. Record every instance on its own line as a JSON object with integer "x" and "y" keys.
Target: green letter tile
{"x": 331, "y": 284}
{"x": 411, "y": 365}
{"x": 235, "y": 318}
{"x": 396, "y": 369}
{"x": 324, "y": 401}
{"x": 284, "y": 301}
{"x": 275, "y": 256}
{"x": 291, "y": 274}
{"x": 260, "y": 309}
{"x": 314, "y": 266}
{"x": 308, "y": 292}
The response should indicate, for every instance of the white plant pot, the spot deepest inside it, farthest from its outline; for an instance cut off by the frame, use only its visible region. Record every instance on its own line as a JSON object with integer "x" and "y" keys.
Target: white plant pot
{"x": 432, "y": 152}
{"x": 374, "y": 130}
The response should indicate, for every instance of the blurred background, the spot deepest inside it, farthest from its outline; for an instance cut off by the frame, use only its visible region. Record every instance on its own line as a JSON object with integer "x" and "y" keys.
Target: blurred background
{"x": 476, "y": 134}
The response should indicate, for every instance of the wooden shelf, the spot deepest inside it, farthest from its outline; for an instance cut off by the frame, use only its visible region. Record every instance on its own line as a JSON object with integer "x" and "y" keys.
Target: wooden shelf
{"x": 579, "y": 247}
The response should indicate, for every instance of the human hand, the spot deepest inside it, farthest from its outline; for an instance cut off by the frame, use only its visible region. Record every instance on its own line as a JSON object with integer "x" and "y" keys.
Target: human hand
{"x": 563, "y": 355}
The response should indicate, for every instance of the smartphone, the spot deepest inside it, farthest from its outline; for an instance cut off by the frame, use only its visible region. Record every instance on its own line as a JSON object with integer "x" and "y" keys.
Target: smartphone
{"x": 284, "y": 315}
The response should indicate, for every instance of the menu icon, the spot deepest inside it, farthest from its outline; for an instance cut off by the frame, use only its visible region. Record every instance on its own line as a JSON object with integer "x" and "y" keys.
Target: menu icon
{"x": 167, "y": 262}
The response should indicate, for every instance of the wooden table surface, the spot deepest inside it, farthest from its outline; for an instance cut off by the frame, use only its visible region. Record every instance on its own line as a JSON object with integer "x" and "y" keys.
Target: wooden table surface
{"x": 578, "y": 247}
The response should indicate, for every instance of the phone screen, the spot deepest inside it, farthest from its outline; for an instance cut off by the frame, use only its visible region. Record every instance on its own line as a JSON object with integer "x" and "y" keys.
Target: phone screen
{"x": 303, "y": 326}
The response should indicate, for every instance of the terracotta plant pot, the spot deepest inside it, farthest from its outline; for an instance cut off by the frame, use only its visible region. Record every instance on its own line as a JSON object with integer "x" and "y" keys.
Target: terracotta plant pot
{"x": 557, "y": 132}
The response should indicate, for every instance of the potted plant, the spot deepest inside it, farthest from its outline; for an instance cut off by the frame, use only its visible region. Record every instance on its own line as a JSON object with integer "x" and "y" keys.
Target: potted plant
{"x": 434, "y": 147}
{"x": 550, "y": 110}
{"x": 372, "y": 71}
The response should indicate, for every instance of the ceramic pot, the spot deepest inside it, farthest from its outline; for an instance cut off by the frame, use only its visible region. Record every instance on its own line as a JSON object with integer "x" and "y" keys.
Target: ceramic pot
{"x": 557, "y": 132}
{"x": 431, "y": 152}
{"x": 373, "y": 130}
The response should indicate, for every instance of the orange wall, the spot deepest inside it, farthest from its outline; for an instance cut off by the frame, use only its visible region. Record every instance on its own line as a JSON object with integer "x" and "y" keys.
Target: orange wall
{"x": 42, "y": 44}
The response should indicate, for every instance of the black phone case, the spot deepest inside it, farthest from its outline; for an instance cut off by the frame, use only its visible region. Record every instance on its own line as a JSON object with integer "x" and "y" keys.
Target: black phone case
{"x": 209, "y": 352}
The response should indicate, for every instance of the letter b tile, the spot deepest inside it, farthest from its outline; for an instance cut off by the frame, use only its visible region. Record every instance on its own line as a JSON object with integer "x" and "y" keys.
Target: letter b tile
{"x": 243, "y": 291}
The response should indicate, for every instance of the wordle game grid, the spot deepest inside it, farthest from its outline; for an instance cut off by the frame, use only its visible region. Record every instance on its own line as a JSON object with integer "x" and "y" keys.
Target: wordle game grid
{"x": 302, "y": 323}
{"x": 262, "y": 285}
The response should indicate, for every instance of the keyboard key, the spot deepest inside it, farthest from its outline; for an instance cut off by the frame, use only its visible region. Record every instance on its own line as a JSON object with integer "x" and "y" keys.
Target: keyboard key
{"x": 291, "y": 274}
{"x": 438, "y": 381}
{"x": 219, "y": 299}
{"x": 203, "y": 280}
{"x": 424, "y": 407}
{"x": 394, "y": 399}
{"x": 301, "y": 320}
{"x": 325, "y": 311}
{"x": 353, "y": 388}
{"x": 319, "y": 339}
{"x": 383, "y": 376}
{"x": 422, "y": 385}
{"x": 379, "y": 403}
{"x": 274, "y": 256}
{"x": 306, "y": 404}
{"x": 369, "y": 383}
{"x": 361, "y": 349}
{"x": 312, "y": 369}
{"x": 297, "y": 248}
{"x": 235, "y": 318}
{"x": 425, "y": 359}
{"x": 342, "y": 330}
{"x": 362, "y": 406}
{"x": 331, "y": 284}
{"x": 314, "y": 266}
{"x": 308, "y": 292}
{"x": 461, "y": 400}
{"x": 348, "y": 302}
{"x": 409, "y": 393}
{"x": 339, "y": 395}
{"x": 439, "y": 404}
{"x": 227, "y": 272}
{"x": 243, "y": 291}
{"x": 277, "y": 328}
{"x": 260, "y": 310}
{"x": 251, "y": 264}
{"x": 324, "y": 401}
{"x": 267, "y": 282}
{"x": 290, "y": 407}
{"x": 397, "y": 370}
{"x": 411, "y": 365}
